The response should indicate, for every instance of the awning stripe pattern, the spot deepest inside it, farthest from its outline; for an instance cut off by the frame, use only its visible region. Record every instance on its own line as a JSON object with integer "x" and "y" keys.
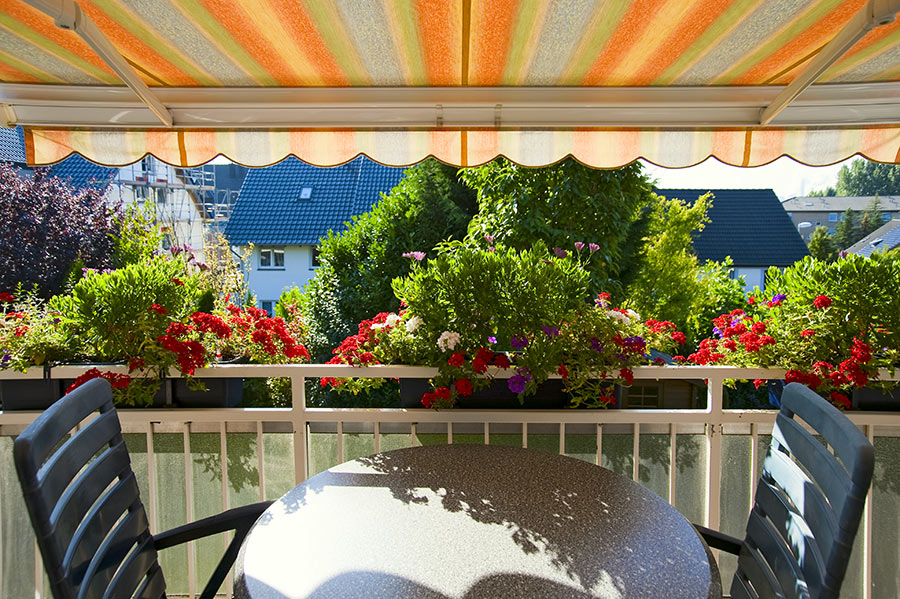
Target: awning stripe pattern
{"x": 393, "y": 42}
{"x": 450, "y": 43}
{"x": 601, "y": 148}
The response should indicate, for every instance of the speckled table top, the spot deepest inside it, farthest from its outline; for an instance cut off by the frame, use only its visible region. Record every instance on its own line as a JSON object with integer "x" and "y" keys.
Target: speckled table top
{"x": 472, "y": 521}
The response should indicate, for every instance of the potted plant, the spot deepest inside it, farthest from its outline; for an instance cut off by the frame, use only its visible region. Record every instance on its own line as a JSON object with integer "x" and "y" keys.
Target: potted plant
{"x": 475, "y": 311}
{"x": 832, "y": 326}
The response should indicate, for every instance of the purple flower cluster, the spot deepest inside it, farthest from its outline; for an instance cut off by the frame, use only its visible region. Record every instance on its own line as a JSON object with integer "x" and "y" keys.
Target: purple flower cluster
{"x": 550, "y": 331}
{"x": 519, "y": 341}
{"x": 596, "y": 345}
{"x": 518, "y": 381}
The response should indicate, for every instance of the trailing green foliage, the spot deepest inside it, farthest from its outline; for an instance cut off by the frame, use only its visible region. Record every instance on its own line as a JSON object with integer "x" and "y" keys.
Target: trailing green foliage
{"x": 354, "y": 280}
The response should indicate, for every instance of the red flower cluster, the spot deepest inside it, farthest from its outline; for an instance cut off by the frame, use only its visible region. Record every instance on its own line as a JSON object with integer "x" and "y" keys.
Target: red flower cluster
{"x": 821, "y": 302}
{"x": 660, "y": 326}
{"x": 627, "y": 375}
{"x": 678, "y": 337}
{"x": 209, "y": 323}
{"x": 707, "y": 354}
{"x": 158, "y": 309}
{"x": 807, "y": 333}
{"x": 563, "y": 371}
{"x": 118, "y": 381}
{"x": 189, "y": 355}
{"x": 7, "y": 298}
{"x": 457, "y": 359}
{"x": 464, "y": 387}
{"x": 439, "y": 399}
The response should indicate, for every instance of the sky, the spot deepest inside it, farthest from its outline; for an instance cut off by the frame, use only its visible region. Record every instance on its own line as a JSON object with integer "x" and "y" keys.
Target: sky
{"x": 786, "y": 176}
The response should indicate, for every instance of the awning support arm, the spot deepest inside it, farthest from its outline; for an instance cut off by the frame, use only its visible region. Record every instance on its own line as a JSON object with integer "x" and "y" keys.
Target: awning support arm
{"x": 68, "y": 15}
{"x": 875, "y": 13}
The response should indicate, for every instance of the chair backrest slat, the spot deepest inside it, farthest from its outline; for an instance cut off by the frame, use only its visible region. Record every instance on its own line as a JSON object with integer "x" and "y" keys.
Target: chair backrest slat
{"x": 96, "y": 526}
{"x": 755, "y": 572}
{"x": 774, "y": 505}
{"x": 83, "y": 500}
{"x": 826, "y": 471}
{"x": 153, "y": 586}
{"x": 132, "y": 571}
{"x": 112, "y": 553}
{"x": 808, "y": 504}
{"x": 69, "y": 512}
{"x": 781, "y": 560}
{"x": 63, "y": 466}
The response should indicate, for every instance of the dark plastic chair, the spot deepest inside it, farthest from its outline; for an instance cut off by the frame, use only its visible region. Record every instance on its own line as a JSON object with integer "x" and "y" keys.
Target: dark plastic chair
{"x": 807, "y": 507}
{"x": 83, "y": 500}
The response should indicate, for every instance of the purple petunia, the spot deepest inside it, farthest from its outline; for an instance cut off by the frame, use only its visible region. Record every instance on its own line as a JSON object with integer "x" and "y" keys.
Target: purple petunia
{"x": 550, "y": 331}
{"x": 519, "y": 341}
{"x": 492, "y": 340}
{"x": 596, "y": 345}
{"x": 6, "y": 358}
{"x": 517, "y": 383}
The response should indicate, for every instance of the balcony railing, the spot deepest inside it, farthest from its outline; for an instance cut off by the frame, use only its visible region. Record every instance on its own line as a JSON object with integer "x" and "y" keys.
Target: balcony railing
{"x": 195, "y": 462}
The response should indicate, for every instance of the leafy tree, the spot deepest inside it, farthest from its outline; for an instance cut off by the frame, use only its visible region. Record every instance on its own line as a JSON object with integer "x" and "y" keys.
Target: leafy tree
{"x": 821, "y": 245}
{"x": 357, "y": 266}
{"x": 667, "y": 280}
{"x": 865, "y": 178}
{"x": 847, "y": 231}
{"x": 46, "y": 226}
{"x": 823, "y": 193}
{"x": 872, "y": 218}
{"x": 563, "y": 204}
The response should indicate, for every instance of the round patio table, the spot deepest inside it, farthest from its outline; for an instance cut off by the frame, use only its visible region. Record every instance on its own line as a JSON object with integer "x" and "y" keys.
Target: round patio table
{"x": 472, "y": 521}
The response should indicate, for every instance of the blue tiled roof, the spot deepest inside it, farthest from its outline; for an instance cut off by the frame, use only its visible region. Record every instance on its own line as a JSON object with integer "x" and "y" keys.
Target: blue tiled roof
{"x": 79, "y": 172}
{"x": 885, "y": 238}
{"x": 750, "y": 225}
{"x": 269, "y": 209}
{"x": 12, "y": 145}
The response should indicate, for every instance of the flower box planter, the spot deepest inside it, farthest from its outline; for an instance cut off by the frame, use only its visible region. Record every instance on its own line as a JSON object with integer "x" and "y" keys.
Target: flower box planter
{"x": 220, "y": 393}
{"x": 29, "y": 394}
{"x": 875, "y": 399}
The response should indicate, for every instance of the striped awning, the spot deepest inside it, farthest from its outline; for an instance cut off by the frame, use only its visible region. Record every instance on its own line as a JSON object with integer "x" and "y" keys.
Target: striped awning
{"x": 605, "y": 81}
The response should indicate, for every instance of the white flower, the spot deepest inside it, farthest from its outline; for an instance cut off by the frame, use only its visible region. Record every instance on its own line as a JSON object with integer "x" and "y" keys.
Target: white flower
{"x": 618, "y": 316}
{"x": 412, "y": 324}
{"x": 392, "y": 320}
{"x": 448, "y": 340}
{"x": 377, "y": 326}
{"x": 634, "y": 315}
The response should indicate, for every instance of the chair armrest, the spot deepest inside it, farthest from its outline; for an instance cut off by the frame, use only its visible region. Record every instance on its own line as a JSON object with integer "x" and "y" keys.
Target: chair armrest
{"x": 239, "y": 519}
{"x": 719, "y": 540}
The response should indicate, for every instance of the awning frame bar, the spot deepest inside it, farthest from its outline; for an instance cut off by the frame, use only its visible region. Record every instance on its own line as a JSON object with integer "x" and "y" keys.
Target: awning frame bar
{"x": 829, "y": 105}
{"x": 68, "y": 15}
{"x": 874, "y": 14}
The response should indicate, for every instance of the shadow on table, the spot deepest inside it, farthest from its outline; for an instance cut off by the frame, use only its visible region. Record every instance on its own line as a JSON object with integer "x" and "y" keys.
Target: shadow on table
{"x": 549, "y": 506}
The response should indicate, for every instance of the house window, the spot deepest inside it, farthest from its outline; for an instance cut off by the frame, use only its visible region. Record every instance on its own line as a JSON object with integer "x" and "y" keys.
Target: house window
{"x": 268, "y": 306}
{"x": 314, "y": 263}
{"x": 305, "y": 193}
{"x": 271, "y": 258}
{"x": 832, "y": 217}
{"x": 643, "y": 395}
{"x": 886, "y": 217}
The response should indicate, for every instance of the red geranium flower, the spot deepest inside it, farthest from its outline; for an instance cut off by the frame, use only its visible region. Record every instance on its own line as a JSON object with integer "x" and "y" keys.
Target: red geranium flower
{"x": 563, "y": 371}
{"x": 807, "y": 333}
{"x": 158, "y": 309}
{"x": 821, "y": 302}
{"x": 7, "y": 298}
{"x": 464, "y": 387}
{"x": 457, "y": 359}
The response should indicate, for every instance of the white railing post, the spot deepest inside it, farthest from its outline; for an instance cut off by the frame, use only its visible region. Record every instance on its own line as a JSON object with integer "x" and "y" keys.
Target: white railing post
{"x": 714, "y": 451}
{"x": 298, "y": 419}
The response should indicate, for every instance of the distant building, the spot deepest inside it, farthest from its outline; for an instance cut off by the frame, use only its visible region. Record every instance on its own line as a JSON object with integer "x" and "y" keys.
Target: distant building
{"x": 188, "y": 203}
{"x": 750, "y": 226}
{"x": 809, "y": 212}
{"x": 284, "y": 209}
{"x": 883, "y": 239}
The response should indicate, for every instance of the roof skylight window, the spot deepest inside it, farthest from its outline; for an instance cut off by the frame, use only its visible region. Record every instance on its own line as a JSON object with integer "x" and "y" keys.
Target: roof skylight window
{"x": 305, "y": 193}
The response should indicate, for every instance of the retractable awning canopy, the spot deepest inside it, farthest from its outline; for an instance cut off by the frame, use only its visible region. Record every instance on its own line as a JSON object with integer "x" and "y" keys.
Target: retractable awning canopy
{"x": 606, "y": 81}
